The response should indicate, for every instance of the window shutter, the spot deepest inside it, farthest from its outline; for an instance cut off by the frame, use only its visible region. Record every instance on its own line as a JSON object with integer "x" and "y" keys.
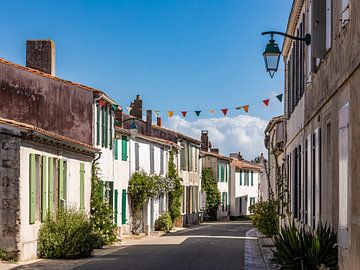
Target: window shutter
{"x": 240, "y": 177}
{"x": 51, "y": 184}
{"x": 32, "y": 179}
{"x": 103, "y": 126}
{"x": 82, "y": 186}
{"x": 222, "y": 172}
{"x": 61, "y": 183}
{"x": 252, "y": 178}
{"x": 43, "y": 187}
{"x": 97, "y": 124}
{"x": 152, "y": 169}
{"x": 116, "y": 150}
{"x": 137, "y": 166}
{"x": 222, "y": 200}
{"x": 161, "y": 161}
{"x": 318, "y": 36}
{"x": 106, "y": 126}
{"x": 116, "y": 195}
{"x": 110, "y": 129}
{"x": 123, "y": 207}
{"x": 124, "y": 148}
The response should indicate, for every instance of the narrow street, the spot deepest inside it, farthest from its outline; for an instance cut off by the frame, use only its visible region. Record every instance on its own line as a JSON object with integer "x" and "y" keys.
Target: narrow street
{"x": 210, "y": 246}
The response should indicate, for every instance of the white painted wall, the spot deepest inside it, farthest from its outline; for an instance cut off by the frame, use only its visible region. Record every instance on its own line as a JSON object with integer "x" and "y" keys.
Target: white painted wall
{"x": 29, "y": 232}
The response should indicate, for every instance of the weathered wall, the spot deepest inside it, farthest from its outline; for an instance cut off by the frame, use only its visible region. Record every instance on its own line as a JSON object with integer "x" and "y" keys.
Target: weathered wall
{"x": 9, "y": 194}
{"x": 46, "y": 103}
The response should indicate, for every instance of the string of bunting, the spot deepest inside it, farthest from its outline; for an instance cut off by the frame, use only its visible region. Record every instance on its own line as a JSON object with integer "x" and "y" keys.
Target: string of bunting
{"x": 224, "y": 111}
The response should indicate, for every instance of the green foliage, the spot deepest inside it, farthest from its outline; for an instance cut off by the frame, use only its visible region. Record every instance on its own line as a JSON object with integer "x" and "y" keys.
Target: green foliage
{"x": 212, "y": 193}
{"x": 67, "y": 234}
{"x": 265, "y": 217}
{"x": 2, "y": 254}
{"x": 175, "y": 194}
{"x": 164, "y": 223}
{"x": 299, "y": 248}
{"x": 101, "y": 214}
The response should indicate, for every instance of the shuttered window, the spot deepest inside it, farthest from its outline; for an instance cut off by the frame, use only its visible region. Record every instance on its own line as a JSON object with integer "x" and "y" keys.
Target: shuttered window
{"x": 137, "y": 165}
{"x": 32, "y": 195}
{"x": 152, "y": 169}
{"x": 240, "y": 175}
{"x": 116, "y": 150}
{"x": 161, "y": 161}
{"x": 62, "y": 183}
{"x": 51, "y": 178}
{"x": 103, "y": 126}
{"x": 106, "y": 127}
{"x": 116, "y": 201}
{"x": 252, "y": 178}
{"x": 82, "y": 186}
{"x": 43, "y": 187}
{"x": 223, "y": 201}
{"x": 124, "y": 151}
{"x": 110, "y": 128}
{"x": 97, "y": 124}
{"x": 123, "y": 207}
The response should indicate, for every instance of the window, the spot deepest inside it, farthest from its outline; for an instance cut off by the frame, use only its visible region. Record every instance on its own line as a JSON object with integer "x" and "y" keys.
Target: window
{"x": 240, "y": 177}
{"x": 137, "y": 165}
{"x": 152, "y": 169}
{"x": 343, "y": 175}
{"x": 252, "y": 201}
{"x": 184, "y": 156}
{"x": 110, "y": 128}
{"x": 97, "y": 124}
{"x": 319, "y": 30}
{"x": 221, "y": 171}
{"x": 190, "y": 157}
{"x": 124, "y": 146}
{"x": 161, "y": 161}
{"x": 123, "y": 206}
{"x": 106, "y": 126}
{"x": 103, "y": 126}
{"x": 82, "y": 186}
{"x": 252, "y": 178}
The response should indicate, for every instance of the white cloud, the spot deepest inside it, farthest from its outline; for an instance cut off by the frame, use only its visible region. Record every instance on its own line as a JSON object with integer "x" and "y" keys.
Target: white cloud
{"x": 241, "y": 133}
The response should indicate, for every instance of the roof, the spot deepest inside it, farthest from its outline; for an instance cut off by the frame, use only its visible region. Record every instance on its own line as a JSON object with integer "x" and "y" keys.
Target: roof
{"x": 205, "y": 153}
{"x": 180, "y": 135}
{"x": 244, "y": 164}
{"x": 33, "y": 130}
{"x": 273, "y": 122}
{"x": 148, "y": 138}
{"x": 49, "y": 76}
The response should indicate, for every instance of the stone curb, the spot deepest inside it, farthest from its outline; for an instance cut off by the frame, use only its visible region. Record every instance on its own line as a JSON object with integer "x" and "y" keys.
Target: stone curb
{"x": 253, "y": 258}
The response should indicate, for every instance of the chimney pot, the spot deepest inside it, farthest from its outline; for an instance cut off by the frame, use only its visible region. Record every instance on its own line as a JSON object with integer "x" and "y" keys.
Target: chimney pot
{"x": 214, "y": 150}
{"x": 158, "y": 121}
{"x": 136, "y": 107}
{"x": 149, "y": 122}
{"x": 40, "y": 55}
{"x": 205, "y": 144}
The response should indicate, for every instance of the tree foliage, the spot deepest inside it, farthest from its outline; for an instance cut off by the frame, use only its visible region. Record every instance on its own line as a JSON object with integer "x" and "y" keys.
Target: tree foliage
{"x": 265, "y": 216}
{"x": 212, "y": 193}
{"x": 101, "y": 214}
{"x": 175, "y": 194}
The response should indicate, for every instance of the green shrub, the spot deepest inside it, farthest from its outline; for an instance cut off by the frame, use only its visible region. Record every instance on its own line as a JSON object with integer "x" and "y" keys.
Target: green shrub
{"x": 164, "y": 223}
{"x": 299, "y": 248}
{"x": 2, "y": 254}
{"x": 101, "y": 214}
{"x": 265, "y": 217}
{"x": 67, "y": 234}
{"x": 212, "y": 193}
{"x": 175, "y": 194}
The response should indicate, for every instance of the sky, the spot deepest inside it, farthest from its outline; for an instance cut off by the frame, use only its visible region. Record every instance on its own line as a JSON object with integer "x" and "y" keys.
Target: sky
{"x": 178, "y": 55}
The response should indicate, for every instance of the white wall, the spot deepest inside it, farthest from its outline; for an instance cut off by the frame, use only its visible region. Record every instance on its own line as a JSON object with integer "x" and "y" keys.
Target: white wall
{"x": 29, "y": 232}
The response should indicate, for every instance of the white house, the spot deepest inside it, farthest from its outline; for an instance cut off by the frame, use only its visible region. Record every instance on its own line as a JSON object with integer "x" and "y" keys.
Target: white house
{"x": 41, "y": 171}
{"x": 244, "y": 186}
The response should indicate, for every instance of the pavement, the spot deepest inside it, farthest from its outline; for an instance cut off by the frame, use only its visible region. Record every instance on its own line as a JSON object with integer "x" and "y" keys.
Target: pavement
{"x": 216, "y": 245}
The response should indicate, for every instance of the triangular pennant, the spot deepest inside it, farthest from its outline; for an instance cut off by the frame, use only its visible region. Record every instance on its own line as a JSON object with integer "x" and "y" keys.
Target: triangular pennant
{"x": 197, "y": 113}
{"x": 239, "y": 108}
{"x": 279, "y": 97}
{"x": 170, "y": 113}
{"x": 246, "y": 108}
{"x": 212, "y": 112}
{"x": 129, "y": 109}
{"x": 224, "y": 111}
{"x": 184, "y": 113}
{"x": 156, "y": 113}
{"x": 266, "y": 102}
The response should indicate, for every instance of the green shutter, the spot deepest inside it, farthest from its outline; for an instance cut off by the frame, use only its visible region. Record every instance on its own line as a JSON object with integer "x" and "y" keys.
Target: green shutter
{"x": 240, "y": 177}
{"x": 124, "y": 148}
{"x": 110, "y": 129}
{"x": 43, "y": 187}
{"x": 219, "y": 172}
{"x": 226, "y": 201}
{"x": 227, "y": 172}
{"x": 222, "y": 172}
{"x": 32, "y": 180}
{"x": 51, "y": 184}
{"x": 116, "y": 152}
{"x": 252, "y": 178}
{"x": 97, "y": 124}
{"x": 106, "y": 126}
{"x": 116, "y": 206}
{"x": 103, "y": 126}
{"x": 61, "y": 183}
{"x": 82, "y": 186}
{"x": 223, "y": 201}
{"x": 123, "y": 207}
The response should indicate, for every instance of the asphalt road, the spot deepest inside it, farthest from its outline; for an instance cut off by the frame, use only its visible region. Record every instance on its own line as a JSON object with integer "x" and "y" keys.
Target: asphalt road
{"x": 208, "y": 246}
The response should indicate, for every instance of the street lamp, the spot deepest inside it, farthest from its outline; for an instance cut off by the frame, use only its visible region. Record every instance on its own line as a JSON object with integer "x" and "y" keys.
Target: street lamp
{"x": 272, "y": 52}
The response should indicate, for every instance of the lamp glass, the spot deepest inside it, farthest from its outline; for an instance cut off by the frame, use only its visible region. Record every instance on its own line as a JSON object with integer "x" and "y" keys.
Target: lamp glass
{"x": 272, "y": 56}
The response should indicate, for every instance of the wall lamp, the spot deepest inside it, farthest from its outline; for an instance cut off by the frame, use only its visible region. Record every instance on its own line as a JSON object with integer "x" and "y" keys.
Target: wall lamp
{"x": 272, "y": 52}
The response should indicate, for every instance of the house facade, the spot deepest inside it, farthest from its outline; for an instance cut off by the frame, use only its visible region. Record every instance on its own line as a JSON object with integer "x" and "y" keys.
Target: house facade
{"x": 244, "y": 185}
{"x": 322, "y": 119}
{"x": 41, "y": 171}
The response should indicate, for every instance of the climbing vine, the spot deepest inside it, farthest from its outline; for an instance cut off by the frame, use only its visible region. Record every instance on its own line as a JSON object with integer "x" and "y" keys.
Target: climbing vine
{"x": 175, "y": 194}
{"x": 212, "y": 193}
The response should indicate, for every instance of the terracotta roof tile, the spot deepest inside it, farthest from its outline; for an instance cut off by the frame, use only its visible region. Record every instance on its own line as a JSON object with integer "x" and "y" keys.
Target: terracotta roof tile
{"x": 243, "y": 164}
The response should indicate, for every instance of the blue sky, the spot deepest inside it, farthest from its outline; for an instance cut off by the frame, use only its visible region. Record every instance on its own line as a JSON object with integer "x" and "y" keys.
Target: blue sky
{"x": 178, "y": 55}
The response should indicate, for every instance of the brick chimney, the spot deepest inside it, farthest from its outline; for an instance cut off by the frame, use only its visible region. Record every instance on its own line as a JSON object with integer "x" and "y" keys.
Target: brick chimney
{"x": 119, "y": 117}
{"x": 136, "y": 106}
{"x": 40, "y": 55}
{"x": 237, "y": 156}
{"x": 149, "y": 122}
{"x": 204, "y": 140}
{"x": 214, "y": 150}
{"x": 158, "y": 121}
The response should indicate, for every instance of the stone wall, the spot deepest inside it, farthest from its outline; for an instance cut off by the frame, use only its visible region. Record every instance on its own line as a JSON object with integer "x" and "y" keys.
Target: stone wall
{"x": 9, "y": 194}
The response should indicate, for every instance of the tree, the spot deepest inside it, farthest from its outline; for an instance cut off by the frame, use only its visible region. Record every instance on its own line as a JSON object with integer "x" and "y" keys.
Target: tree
{"x": 175, "y": 194}
{"x": 212, "y": 193}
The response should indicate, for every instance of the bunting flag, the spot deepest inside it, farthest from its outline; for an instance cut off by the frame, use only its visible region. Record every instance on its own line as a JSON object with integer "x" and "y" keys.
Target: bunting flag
{"x": 279, "y": 97}
{"x": 170, "y": 113}
{"x": 246, "y": 108}
{"x": 184, "y": 113}
{"x": 156, "y": 113}
{"x": 224, "y": 111}
{"x": 212, "y": 112}
{"x": 101, "y": 102}
{"x": 129, "y": 109}
{"x": 197, "y": 113}
{"x": 266, "y": 102}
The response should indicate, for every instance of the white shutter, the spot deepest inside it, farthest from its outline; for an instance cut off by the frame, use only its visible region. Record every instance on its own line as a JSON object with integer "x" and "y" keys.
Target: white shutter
{"x": 309, "y": 48}
{"x": 343, "y": 174}
{"x": 317, "y": 176}
{"x": 328, "y": 24}
{"x": 309, "y": 186}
